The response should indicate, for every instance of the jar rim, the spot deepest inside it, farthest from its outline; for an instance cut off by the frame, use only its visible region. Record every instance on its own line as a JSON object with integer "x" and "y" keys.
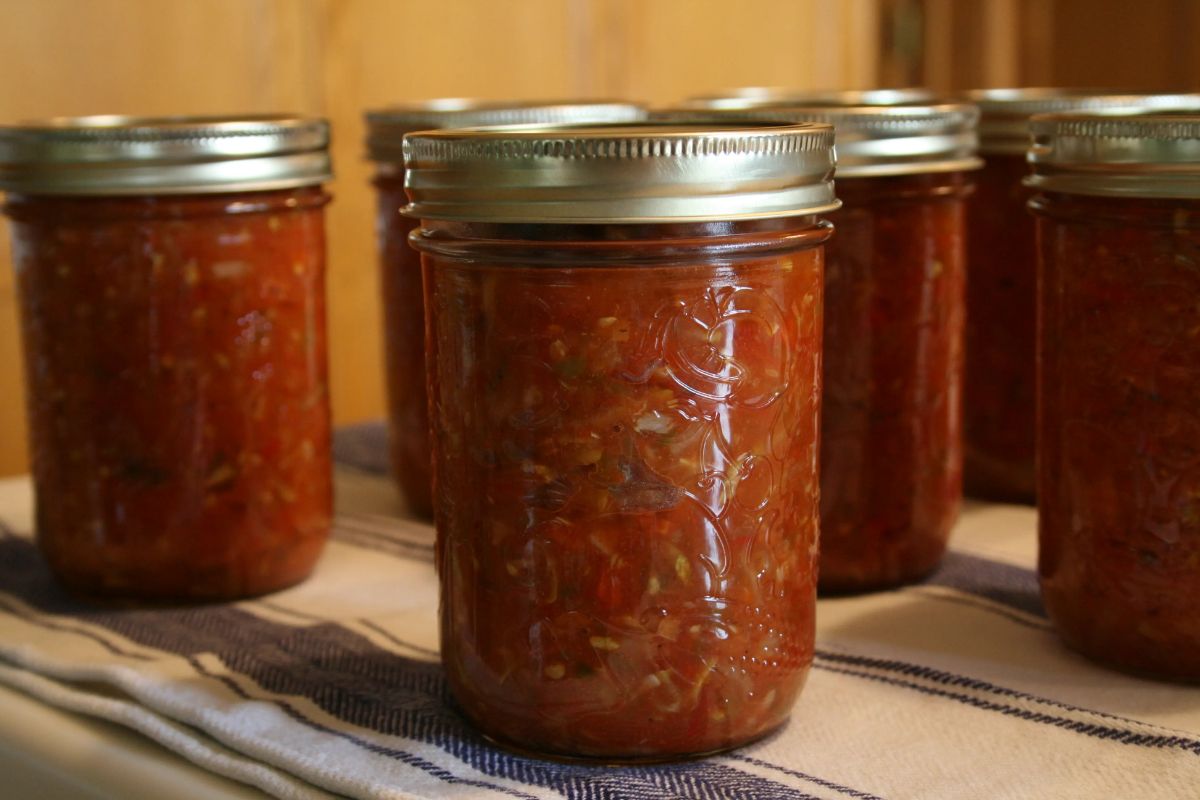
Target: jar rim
{"x": 621, "y": 172}
{"x": 872, "y": 140}
{"x": 1117, "y": 154}
{"x": 122, "y": 155}
{"x": 386, "y": 126}
{"x": 1005, "y": 112}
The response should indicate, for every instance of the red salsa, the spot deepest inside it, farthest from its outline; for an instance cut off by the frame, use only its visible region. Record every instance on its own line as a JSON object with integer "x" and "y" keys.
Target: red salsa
{"x": 891, "y": 454}
{"x": 1119, "y": 476}
{"x": 1000, "y": 405}
{"x": 625, "y": 421}
{"x": 177, "y": 389}
{"x": 404, "y": 346}
{"x": 891, "y": 458}
{"x": 400, "y": 265}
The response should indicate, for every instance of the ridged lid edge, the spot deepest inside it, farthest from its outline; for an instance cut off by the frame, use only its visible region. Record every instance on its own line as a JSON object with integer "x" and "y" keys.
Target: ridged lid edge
{"x": 386, "y": 127}
{"x": 1140, "y": 155}
{"x": 620, "y": 173}
{"x": 117, "y": 155}
{"x": 873, "y": 140}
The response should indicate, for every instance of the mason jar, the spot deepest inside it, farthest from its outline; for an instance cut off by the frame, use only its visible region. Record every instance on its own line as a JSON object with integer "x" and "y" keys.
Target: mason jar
{"x": 891, "y": 440}
{"x": 400, "y": 268}
{"x": 1118, "y": 228}
{"x": 1000, "y": 389}
{"x": 624, "y": 330}
{"x": 171, "y": 283}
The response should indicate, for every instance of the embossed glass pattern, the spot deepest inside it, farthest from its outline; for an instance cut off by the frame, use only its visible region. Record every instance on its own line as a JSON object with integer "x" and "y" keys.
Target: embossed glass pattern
{"x": 891, "y": 454}
{"x": 626, "y": 432}
{"x": 1119, "y": 428}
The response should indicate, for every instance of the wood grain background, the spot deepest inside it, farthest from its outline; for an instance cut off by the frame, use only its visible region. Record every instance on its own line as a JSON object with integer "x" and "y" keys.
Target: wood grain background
{"x": 338, "y": 57}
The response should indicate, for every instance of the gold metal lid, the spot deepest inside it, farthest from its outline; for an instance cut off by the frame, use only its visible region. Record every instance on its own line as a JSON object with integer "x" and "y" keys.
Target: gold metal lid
{"x": 1005, "y": 113}
{"x": 635, "y": 172}
{"x": 114, "y": 155}
{"x": 750, "y": 96}
{"x": 874, "y": 140}
{"x": 386, "y": 126}
{"x": 1132, "y": 155}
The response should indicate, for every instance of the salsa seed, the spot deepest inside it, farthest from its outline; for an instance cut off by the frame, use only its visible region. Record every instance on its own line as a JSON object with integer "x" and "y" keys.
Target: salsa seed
{"x": 682, "y": 568}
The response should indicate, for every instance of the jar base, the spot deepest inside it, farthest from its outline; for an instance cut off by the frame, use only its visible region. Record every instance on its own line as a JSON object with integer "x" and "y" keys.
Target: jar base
{"x": 1118, "y": 647}
{"x": 849, "y": 584}
{"x": 94, "y": 595}
{"x": 852, "y": 587}
{"x": 1138, "y": 670}
{"x": 622, "y": 760}
{"x": 988, "y": 479}
{"x": 135, "y": 591}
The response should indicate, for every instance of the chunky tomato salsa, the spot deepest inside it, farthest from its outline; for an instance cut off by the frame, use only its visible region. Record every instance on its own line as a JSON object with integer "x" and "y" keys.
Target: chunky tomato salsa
{"x": 179, "y": 413}
{"x": 999, "y": 405}
{"x": 891, "y": 459}
{"x": 1119, "y": 474}
{"x": 626, "y": 484}
{"x": 404, "y": 346}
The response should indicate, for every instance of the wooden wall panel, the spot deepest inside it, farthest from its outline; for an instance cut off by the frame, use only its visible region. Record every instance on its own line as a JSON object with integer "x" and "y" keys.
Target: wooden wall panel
{"x": 676, "y": 48}
{"x": 1150, "y": 44}
{"x": 339, "y": 57}
{"x": 378, "y": 52}
{"x": 1074, "y": 43}
{"x": 154, "y": 57}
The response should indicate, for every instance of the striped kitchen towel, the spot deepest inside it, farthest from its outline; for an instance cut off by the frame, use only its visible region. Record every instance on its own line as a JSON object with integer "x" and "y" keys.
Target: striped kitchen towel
{"x": 955, "y": 688}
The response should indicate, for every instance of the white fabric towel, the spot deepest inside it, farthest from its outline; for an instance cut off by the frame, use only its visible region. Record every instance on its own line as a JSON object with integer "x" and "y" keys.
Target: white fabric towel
{"x": 955, "y": 688}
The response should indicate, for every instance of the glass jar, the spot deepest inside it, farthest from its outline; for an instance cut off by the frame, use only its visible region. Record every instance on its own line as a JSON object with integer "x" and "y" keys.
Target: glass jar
{"x": 400, "y": 267}
{"x": 1118, "y": 225}
{"x": 999, "y": 418}
{"x": 891, "y": 453}
{"x": 625, "y": 378}
{"x": 171, "y": 284}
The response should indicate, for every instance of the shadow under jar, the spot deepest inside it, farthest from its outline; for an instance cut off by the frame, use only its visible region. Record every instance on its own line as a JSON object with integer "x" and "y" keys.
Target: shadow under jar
{"x": 1118, "y": 221}
{"x": 171, "y": 280}
{"x": 1000, "y": 406}
{"x": 625, "y": 382}
{"x": 891, "y": 453}
{"x": 400, "y": 264}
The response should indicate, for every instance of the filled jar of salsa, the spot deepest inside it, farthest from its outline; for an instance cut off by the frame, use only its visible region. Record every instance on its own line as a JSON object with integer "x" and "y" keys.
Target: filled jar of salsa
{"x": 999, "y": 418}
{"x": 625, "y": 377}
{"x": 400, "y": 267}
{"x": 171, "y": 283}
{"x": 891, "y": 457}
{"x": 1118, "y": 221}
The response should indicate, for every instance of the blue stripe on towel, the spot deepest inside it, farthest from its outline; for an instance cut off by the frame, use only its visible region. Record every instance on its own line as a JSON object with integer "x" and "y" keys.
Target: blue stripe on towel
{"x": 350, "y": 678}
{"x": 837, "y": 787}
{"x": 906, "y": 675}
{"x": 363, "y": 446}
{"x": 1016, "y": 587}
